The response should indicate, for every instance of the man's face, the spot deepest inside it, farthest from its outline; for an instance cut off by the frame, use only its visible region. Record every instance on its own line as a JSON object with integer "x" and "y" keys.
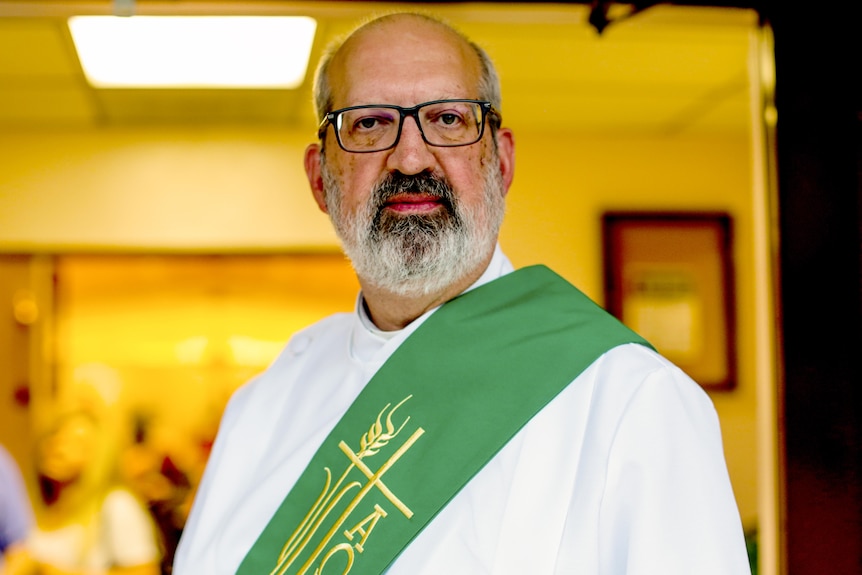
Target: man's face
{"x": 405, "y": 63}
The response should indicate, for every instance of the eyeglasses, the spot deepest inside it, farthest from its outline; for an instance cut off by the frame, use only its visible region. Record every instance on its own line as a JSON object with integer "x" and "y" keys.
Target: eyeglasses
{"x": 443, "y": 123}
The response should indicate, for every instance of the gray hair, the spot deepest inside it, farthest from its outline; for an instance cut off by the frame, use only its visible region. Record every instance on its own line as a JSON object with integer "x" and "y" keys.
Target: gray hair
{"x": 489, "y": 81}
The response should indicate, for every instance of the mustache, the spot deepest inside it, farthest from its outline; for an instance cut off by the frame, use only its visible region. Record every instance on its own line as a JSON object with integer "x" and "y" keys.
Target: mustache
{"x": 424, "y": 183}
{"x": 413, "y": 226}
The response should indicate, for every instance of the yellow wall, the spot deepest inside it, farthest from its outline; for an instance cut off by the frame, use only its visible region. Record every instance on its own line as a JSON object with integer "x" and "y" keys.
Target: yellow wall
{"x": 242, "y": 189}
{"x": 172, "y": 188}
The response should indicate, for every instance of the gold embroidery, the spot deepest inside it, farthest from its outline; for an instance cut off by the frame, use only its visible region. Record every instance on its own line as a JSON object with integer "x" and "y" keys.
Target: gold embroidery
{"x": 360, "y": 528}
{"x": 371, "y": 442}
{"x": 340, "y": 547}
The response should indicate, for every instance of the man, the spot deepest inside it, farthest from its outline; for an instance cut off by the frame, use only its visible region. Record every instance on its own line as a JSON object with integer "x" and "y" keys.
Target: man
{"x": 466, "y": 418}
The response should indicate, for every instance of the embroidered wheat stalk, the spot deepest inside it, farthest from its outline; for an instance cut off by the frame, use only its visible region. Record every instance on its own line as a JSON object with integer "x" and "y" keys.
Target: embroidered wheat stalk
{"x": 373, "y": 440}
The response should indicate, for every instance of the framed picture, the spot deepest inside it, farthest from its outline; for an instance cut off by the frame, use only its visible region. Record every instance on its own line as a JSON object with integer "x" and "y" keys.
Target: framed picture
{"x": 669, "y": 277}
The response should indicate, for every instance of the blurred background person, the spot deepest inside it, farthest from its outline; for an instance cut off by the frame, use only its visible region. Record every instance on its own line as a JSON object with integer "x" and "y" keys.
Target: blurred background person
{"x": 86, "y": 521}
{"x": 16, "y": 512}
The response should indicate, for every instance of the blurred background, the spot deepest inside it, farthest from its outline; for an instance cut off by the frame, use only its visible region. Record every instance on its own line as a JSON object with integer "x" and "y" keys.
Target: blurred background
{"x": 158, "y": 246}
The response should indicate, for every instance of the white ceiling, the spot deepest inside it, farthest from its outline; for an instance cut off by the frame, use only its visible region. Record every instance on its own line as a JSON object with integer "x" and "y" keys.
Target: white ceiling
{"x": 664, "y": 71}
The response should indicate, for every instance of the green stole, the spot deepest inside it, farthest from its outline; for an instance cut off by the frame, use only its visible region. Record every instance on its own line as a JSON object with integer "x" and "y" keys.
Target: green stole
{"x": 451, "y": 396}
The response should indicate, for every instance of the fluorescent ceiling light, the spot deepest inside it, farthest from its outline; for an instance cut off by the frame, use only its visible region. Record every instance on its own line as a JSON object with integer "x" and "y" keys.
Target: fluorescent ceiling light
{"x": 193, "y": 51}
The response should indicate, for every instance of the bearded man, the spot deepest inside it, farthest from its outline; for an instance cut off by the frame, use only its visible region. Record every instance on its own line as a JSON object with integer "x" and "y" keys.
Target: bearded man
{"x": 466, "y": 418}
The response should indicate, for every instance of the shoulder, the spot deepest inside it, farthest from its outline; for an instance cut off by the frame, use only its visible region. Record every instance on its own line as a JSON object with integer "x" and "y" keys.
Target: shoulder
{"x": 304, "y": 347}
{"x": 631, "y": 391}
{"x": 633, "y": 385}
{"x": 633, "y": 368}
{"x": 8, "y": 467}
{"x": 16, "y": 515}
{"x": 326, "y": 331}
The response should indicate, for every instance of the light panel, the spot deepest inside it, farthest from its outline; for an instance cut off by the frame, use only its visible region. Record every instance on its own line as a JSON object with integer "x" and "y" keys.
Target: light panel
{"x": 193, "y": 51}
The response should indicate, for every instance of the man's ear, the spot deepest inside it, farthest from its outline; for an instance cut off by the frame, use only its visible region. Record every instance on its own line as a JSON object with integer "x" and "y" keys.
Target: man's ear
{"x": 312, "y": 171}
{"x": 506, "y": 155}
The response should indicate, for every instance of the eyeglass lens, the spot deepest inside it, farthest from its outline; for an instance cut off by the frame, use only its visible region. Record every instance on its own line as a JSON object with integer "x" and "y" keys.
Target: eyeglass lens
{"x": 442, "y": 123}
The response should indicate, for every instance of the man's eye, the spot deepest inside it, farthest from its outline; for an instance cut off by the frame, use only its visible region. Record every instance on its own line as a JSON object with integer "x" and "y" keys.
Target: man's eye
{"x": 449, "y": 119}
{"x": 367, "y": 123}
{"x": 372, "y": 122}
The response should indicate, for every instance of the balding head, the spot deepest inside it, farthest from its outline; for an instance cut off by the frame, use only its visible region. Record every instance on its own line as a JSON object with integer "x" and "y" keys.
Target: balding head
{"x": 387, "y": 37}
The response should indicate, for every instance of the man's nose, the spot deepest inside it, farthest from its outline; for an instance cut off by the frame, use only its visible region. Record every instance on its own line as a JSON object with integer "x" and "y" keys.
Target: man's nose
{"x": 411, "y": 155}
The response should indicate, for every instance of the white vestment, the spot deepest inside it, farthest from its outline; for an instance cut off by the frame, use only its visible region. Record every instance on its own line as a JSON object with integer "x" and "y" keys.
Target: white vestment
{"x": 622, "y": 473}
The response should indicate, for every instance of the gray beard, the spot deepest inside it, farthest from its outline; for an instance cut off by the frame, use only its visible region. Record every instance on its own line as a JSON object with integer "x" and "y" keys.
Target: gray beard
{"x": 417, "y": 254}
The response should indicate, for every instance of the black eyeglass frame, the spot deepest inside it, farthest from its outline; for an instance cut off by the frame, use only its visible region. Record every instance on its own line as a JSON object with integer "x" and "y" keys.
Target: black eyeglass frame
{"x": 487, "y": 111}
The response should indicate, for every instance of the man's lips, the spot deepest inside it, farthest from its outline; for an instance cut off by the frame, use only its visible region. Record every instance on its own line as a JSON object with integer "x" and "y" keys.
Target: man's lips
{"x": 413, "y": 203}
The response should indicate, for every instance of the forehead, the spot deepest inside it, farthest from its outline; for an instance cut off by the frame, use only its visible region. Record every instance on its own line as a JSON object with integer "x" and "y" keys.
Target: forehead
{"x": 404, "y": 60}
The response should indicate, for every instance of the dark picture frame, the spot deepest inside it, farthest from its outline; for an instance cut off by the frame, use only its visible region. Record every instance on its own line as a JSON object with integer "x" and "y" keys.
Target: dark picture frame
{"x": 669, "y": 276}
